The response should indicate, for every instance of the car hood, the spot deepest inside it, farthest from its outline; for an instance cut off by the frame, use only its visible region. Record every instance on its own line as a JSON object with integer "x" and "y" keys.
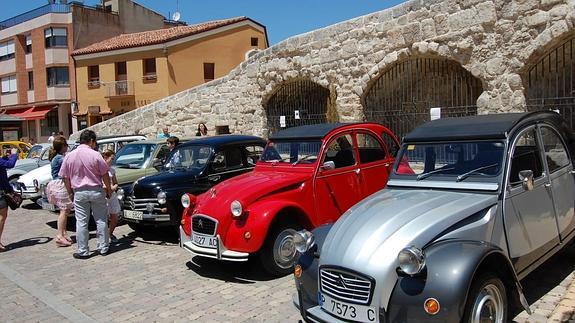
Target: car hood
{"x": 23, "y": 164}
{"x": 42, "y": 174}
{"x": 247, "y": 188}
{"x": 368, "y": 237}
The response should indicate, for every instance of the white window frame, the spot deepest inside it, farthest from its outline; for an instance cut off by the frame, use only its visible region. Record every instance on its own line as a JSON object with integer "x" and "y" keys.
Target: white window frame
{"x": 9, "y": 84}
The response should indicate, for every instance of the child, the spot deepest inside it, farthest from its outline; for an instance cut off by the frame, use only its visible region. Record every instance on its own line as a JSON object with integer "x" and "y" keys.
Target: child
{"x": 113, "y": 203}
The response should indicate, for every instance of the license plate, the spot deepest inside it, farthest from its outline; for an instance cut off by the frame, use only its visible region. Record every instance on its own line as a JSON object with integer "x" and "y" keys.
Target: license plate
{"x": 205, "y": 241}
{"x": 49, "y": 207}
{"x": 352, "y": 312}
{"x": 136, "y": 215}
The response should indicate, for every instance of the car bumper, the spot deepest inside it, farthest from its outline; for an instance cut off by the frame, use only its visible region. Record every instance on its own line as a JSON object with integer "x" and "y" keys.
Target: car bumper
{"x": 220, "y": 252}
{"x": 28, "y": 195}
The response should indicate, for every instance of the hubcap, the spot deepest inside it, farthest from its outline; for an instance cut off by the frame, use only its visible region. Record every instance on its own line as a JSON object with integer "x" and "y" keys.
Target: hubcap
{"x": 488, "y": 305}
{"x": 284, "y": 249}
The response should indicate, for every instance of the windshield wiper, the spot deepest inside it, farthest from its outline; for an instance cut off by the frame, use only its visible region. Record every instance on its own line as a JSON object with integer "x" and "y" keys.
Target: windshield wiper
{"x": 302, "y": 159}
{"x": 426, "y": 175}
{"x": 274, "y": 161}
{"x": 471, "y": 172}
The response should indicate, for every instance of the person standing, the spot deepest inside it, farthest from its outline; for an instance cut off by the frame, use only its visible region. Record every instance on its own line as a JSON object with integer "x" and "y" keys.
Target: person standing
{"x": 113, "y": 202}
{"x": 56, "y": 190}
{"x": 202, "y": 130}
{"x": 83, "y": 171}
{"x": 5, "y": 163}
{"x": 51, "y": 138}
{"x": 165, "y": 134}
{"x": 175, "y": 159}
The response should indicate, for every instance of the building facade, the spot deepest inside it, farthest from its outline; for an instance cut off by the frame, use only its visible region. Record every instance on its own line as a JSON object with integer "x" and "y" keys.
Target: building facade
{"x": 129, "y": 71}
{"x": 36, "y": 70}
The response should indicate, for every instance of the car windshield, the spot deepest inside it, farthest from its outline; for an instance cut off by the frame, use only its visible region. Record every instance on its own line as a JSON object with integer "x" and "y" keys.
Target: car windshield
{"x": 134, "y": 156}
{"x": 451, "y": 161}
{"x": 189, "y": 157}
{"x": 293, "y": 151}
{"x": 35, "y": 152}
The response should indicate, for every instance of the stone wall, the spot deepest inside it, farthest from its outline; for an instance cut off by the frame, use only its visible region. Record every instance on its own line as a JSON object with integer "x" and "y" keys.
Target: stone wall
{"x": 495, "y": 40}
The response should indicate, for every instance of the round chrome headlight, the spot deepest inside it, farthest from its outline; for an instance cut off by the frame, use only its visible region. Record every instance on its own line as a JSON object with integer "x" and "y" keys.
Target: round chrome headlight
{"x": 120, "y": 193}
{"x": 161, "y": 197}
{"x": 185, "y": 199}
{"x": 236, "y": 208}
{"x": 303, "y": 241}
{"x": 411, "y": 260}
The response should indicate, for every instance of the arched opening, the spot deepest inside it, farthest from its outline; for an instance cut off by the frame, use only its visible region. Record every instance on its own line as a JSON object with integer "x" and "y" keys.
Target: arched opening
{"x": 297, "y": 103}
{"x": 551, "y": 82}
{"x": 402, "y": 97}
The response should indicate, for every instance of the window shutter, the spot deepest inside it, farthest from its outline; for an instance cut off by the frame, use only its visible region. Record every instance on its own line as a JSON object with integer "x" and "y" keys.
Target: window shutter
{"x": 5, "y": 85}
{"x": 48, "y": 32}
{"x": 29, "y": 40}
{"x": 10, "y": 47}
{"x": 3, "y": 49}
{"x": 59, "y": 31}
{"x": 13, "y": 86}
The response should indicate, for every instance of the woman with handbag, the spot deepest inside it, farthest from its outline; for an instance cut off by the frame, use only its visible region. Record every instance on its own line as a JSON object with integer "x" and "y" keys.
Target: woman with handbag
{"x": 6, "y": 162}
{"x": 56, "y": 190}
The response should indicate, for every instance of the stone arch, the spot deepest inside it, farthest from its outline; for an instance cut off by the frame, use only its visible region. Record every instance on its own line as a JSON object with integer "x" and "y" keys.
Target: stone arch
{"x": 402, "y": 95}
{"x": 549, "y": 81}
{"x": 298, "y": 102}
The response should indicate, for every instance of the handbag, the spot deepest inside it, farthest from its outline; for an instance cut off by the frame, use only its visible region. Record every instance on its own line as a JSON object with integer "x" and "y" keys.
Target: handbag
{"x": 13, "y": 199}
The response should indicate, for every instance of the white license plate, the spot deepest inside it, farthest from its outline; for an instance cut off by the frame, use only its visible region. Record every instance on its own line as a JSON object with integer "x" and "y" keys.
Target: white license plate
{"x": 136, "y": 215}
{"x": 352, "y": 312}
{"x": 205, "y": 241}
{"x": 49, "y": 207}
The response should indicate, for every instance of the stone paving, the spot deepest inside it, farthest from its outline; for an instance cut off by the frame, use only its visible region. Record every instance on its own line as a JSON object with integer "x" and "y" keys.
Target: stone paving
{"x": 149, "y": 278}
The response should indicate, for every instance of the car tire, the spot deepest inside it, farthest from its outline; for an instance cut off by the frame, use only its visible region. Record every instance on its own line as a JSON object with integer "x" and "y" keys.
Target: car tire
{"x": 278, "y": 253}
{"x": 487, "y": 299}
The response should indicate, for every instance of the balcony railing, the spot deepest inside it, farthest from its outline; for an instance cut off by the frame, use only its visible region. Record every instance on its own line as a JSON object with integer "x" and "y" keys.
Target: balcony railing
{"x": 118, "y": 88}
{"x": 49, "y": 8}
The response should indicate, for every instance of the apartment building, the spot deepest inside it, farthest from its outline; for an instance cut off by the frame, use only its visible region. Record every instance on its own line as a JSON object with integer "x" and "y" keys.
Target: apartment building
{"x": 123, "y": 73}
{"x": 37, "y": 76}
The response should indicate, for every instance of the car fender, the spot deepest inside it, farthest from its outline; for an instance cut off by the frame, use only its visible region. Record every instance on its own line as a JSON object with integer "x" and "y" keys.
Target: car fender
{"x": 448, "y": 274}
{"x": 257, "y": 221}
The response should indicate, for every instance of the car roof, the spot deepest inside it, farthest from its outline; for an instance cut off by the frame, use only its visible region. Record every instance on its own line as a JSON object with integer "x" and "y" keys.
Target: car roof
{"x": 488, "y": 126}
{"x": 155, "y": 141}
{"x": 118, "y": 137}
{"x": 222, "y": 140}
{"x": 314, "y": 131}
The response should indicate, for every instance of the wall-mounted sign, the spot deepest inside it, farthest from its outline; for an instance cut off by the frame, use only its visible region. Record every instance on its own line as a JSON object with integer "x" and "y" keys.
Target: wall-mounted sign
{"x": 283, "y": 121}
{"x": 435, "y": 113}
{"x": 297, "y": 114}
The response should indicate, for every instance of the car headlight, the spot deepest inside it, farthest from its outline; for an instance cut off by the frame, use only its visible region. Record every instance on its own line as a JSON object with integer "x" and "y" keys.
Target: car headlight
{"x": 303, "y": 241}
{"x": 236, "y": 208}
{"x": 120, "y": 193}
{"x": 162, "y": 197}
{"x": 185, "y": 199}
{"x": 411, "y": 260}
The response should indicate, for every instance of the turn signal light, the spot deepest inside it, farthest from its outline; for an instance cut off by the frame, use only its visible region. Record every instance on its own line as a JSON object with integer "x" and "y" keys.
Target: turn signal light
{"x": 431, "y": 306}
{"x": 297, "y": 271}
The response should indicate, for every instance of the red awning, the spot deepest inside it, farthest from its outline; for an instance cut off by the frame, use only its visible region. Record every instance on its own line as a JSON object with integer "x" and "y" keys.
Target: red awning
{"x": 35, "y": 113}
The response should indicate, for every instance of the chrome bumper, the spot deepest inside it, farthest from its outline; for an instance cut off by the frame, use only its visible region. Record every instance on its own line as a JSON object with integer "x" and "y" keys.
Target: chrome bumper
{"x": 220, "y": 252}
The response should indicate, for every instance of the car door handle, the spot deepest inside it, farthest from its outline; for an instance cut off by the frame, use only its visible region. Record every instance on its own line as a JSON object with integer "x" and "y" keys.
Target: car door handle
{"x": 214, "y": 178}
{"x": 547, "y": 185}
{"x": 357, "y": 171}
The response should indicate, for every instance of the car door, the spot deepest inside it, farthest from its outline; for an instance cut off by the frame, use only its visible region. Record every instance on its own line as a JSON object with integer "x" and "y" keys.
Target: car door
{"x": 529, "y": 213}
{"x": 560, "y": 170}
{"x": 374, "y": 163}
{"x": 337, "y": 184}
{"x": 226, "y": 163}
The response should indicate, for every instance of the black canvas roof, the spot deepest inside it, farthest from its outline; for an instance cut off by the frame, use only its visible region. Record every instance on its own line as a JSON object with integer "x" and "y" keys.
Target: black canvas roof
{"x": 489, "y": 126}
{"x": 222, "y": 140}
{"x": 314, "y": 131}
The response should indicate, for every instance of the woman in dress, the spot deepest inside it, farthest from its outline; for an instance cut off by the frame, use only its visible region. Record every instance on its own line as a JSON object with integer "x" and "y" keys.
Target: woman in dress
{"x": 56, "y": 190}
{"x": 202, "y": 130}
{"x": 113, "y": 202}
{"x": 6, "y": 162}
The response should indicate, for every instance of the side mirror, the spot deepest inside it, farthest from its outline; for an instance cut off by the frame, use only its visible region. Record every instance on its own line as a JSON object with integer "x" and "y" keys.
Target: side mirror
{"x": 328, "y": 165}
{"x": 526, "y": 177}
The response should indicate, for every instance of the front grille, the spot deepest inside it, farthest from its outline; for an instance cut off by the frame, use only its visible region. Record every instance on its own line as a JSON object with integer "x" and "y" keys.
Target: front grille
{"x": 345, "y": 286}
{"x": 141, "y": 204}
{"x": 204, "y": 225}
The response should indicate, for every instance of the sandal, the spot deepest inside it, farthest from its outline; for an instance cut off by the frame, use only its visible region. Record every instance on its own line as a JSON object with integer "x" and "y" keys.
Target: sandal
{"x": 61, "y": 242}
{"x": 3, "y": 248}
{"x": 68, "y": 239}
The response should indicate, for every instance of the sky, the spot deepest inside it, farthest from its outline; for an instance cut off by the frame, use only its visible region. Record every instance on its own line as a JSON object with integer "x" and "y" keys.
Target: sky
{"x": 282, "y": 18}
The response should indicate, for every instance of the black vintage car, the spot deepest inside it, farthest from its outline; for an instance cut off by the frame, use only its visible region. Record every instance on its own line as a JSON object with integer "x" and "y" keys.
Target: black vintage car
{"x": 192, "y": 167}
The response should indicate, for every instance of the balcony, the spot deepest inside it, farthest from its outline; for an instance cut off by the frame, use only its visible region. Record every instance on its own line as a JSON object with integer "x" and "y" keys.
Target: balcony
{"x": 118, "y": 89}
{"x": 49, "y": 8}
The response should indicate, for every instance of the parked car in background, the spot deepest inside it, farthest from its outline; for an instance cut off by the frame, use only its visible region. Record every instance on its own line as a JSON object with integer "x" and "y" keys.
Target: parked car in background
{"x": 307, "y": 176}
{"x": 22, "y": 147}
{"x": 484, "y": 201}
{"x": 37, "y": 157}
{"x": 114, "y": 143}
{"x": 192, "y": 167}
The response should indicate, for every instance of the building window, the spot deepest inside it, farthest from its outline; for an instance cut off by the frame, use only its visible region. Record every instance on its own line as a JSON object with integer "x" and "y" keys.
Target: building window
{"x": 254, "y": 41}
{"x": 149, "y": 69}
{"x": 9, "y": 84}
{"x": 30, "y": 80}
{"x": 93, "y": 76}
{"x": 56, "y": 37}
{"x": 28, "y": 44}
{"x": 57, "y": 76}
{"x": 7, "y": 50}
{"x": 209, "y": 69}
{"x": 121, "y": 71}
{"x": 50, "y": 123}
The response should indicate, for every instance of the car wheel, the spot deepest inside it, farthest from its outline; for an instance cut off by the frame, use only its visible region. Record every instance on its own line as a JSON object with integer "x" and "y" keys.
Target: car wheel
{"x": 278, "y": 253}
{"x": 487, "y": 300}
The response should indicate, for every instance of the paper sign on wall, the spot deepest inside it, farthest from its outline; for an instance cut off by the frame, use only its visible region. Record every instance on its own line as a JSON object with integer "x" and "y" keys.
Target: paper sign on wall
{"x": 435, "y": 113}
{"x": 296, "y": 114}
{"x": 283, "y": 121}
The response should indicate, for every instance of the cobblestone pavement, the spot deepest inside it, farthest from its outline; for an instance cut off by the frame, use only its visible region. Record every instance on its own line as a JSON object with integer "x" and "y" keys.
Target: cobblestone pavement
{"x": 149, "y": 278}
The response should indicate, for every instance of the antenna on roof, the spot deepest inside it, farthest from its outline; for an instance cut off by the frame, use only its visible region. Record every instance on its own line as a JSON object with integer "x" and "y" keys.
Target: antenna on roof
{"x": 176, "y": 16}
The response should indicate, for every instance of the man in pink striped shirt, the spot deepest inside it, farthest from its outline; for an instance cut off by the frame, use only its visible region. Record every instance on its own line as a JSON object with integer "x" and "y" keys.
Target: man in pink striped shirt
{"x": 83, "y": 171}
